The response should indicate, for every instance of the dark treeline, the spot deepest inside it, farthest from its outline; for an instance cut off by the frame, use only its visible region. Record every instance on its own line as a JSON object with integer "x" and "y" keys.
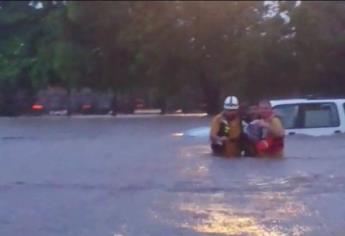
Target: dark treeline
{"x": 174, "y": 50}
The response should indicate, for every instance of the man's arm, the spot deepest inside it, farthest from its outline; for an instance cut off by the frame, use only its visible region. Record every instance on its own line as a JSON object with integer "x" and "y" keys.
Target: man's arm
{"x": 215, "y": 125}
{"x": 276, "y": 127}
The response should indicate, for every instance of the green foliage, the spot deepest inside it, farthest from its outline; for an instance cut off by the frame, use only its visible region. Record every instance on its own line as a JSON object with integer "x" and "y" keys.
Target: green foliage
{"x": 172, "y": 48}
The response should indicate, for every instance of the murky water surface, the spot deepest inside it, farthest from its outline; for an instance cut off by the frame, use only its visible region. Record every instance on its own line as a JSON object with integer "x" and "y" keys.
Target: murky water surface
{"x": 132, "y": 176}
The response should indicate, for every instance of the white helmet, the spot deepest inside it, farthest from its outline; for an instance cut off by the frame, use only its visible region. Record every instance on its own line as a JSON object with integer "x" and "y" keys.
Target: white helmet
{"x": 231, "y": 103}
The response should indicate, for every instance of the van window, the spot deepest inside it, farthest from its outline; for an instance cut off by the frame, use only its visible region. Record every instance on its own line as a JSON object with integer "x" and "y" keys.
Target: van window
{"x": 320, "y": 115}
{"x": 288, "y": 114}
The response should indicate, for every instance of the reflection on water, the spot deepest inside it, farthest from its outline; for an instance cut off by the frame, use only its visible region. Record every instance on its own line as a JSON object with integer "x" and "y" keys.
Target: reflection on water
{"x": 221, "y": 219}
{"x": 248, "y": 202}
{"x": 260, "y": 205}
{"x": 177, "y": 134}
{"x": 277, "y": 206}
{"x": 200, "y": 150}
{"x": 196, "y": 171}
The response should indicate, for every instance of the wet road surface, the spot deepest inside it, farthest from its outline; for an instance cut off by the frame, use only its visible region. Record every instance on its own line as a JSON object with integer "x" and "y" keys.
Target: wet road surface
{"x": 132, "y": 176}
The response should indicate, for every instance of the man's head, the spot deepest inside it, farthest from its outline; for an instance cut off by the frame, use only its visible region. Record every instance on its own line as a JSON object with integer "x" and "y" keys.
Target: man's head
{"x": 253, "y": 112}
{"x": 231, "y": 106}
{"x": 265, "y": 109}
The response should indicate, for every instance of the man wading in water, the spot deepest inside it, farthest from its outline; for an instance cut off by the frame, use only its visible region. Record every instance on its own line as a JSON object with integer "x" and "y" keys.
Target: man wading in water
{"x": 225, "y": 132}
{"x": 272, "y": 142}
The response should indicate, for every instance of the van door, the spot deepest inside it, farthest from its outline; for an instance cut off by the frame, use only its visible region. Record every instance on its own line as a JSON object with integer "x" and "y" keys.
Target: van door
{"x": 320, "y": 118}
{"x": 290, "y": 115}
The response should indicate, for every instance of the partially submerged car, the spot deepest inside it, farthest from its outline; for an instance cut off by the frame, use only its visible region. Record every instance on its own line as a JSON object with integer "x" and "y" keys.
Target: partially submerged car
{"x": 315, "y": 117}
{"x": 311, "y": 116}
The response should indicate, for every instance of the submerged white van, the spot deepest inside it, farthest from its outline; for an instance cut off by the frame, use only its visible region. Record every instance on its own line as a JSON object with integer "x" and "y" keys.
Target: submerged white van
{"x": 311, "y": 116}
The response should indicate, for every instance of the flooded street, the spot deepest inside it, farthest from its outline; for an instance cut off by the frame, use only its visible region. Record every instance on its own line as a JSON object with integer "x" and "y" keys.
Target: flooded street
{"x": 131, "y": 176}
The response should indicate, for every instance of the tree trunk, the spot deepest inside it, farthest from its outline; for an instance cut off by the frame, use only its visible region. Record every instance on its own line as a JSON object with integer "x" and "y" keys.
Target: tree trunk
{"x": 212, "y": 95}
{"x": 162, "y": 105}
{"x": 69, "y": 101}
{"x": 114, "y": 104}
{"x": 212, "y": 102}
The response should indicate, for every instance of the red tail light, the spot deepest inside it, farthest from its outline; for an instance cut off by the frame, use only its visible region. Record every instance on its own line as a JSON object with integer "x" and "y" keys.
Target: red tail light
{"x": 86, "y": 107}
{"x": 37, "y": 107}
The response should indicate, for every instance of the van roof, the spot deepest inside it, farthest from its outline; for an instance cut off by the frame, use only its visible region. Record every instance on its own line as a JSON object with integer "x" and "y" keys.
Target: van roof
{"x": 305, "y": 100}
